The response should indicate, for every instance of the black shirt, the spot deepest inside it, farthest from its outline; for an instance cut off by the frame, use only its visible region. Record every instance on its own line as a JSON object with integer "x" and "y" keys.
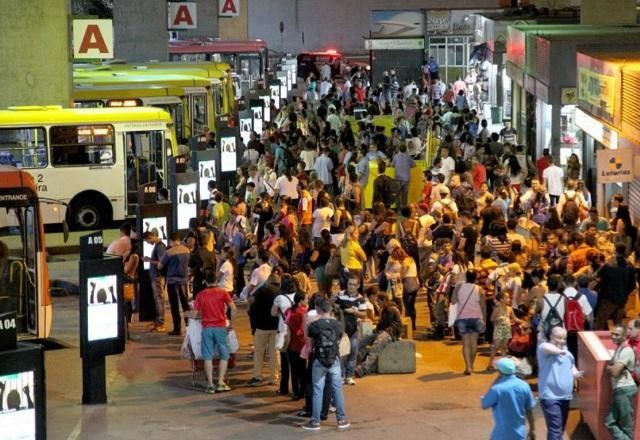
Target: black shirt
{"x": 260, "y": 311}
{"x": 201, "y": 259}
{"x": 470, "y": 233}
{"x": 326, "y": 351}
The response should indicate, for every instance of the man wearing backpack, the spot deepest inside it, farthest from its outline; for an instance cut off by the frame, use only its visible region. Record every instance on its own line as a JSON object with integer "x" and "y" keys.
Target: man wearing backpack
{"x": 325, "y": 335}
{"x": 385, "y": 189}
{"x": 578, "y": 313}
{"x": 553, "y": 307}
{"x": 569, "y": 206}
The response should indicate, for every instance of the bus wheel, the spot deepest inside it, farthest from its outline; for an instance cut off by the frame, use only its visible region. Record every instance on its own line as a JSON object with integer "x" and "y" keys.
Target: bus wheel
{"x": 85, "y": 214}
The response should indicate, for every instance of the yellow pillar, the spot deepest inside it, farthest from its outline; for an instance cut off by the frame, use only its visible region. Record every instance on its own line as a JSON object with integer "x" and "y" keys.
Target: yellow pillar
{"x": 35, "y": 53}
{"x": 609, "y": 12}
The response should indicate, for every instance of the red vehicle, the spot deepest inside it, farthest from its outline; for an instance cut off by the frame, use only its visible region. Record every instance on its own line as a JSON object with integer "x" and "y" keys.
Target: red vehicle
{"x": 248, "y": 58}
{"x": 311, "y": 62}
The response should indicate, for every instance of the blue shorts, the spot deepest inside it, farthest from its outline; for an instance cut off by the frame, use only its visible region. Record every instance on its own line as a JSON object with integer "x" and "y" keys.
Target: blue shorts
{"x": 214, "y": 337}
{"x": 470, "y": 325}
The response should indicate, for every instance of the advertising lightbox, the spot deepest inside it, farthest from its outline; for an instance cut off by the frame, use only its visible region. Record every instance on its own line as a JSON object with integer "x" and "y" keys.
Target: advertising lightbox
{"x": 228, "y": 155}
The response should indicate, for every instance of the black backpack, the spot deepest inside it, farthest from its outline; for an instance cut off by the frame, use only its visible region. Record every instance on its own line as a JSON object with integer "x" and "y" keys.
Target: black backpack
{"x": 325, "y": 347}
{"x": 553, "y": 318}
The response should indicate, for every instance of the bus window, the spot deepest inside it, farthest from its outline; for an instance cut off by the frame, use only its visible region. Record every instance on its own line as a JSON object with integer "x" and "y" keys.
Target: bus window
{"x": 17, "y": 265}
{"x": 198, "y": 113}
{"x": 79, "y": 145}
{"x": 23, "y": 147}
{"x": 218, "y": 100}
{"x": 250, "y": 65}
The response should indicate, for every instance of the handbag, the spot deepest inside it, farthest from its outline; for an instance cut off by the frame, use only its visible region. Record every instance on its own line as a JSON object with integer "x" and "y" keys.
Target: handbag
{"x": 333, "y": 266}
{"x": 345, "y": 345}
{"x": 128, "y": 292}
{"x": 410, "y": 284}
{"x": 283, "y": 337}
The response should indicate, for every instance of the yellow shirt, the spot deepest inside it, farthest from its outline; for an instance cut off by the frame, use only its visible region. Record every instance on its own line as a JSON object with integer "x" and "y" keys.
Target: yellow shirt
{"x": 352, "y": 256}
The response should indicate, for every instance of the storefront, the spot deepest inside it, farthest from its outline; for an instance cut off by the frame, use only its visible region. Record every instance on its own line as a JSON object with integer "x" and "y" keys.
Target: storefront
{"x": 608, "y": 116}
{"x": 541, "y": 62}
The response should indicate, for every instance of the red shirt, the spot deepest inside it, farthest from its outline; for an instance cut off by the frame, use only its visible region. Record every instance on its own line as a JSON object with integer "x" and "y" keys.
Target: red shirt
{"x": 541, "y": 165}
{"x": 294, "y": 319}
{"x": 426, "y": 192}
{"x": 479, "y": 173}
{"x": 212, "y": 303}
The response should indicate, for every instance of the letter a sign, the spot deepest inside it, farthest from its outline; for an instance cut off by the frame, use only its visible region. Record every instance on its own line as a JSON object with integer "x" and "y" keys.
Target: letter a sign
{"x": 182, "y": 16}
{"x": 228, "y": 8}
{"x": 93, "y": 39}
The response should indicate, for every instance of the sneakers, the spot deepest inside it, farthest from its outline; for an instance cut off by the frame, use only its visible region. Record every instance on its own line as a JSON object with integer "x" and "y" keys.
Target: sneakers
{"x": 210, "y": 390}
{"x": 159, "y": 329}
{"x": 311, "y": 426}
{"x": 254, "y": 381}
{"x": 349, "y": 381}
{"x": 222, "y": 388}
{"x": 343, "y": 424}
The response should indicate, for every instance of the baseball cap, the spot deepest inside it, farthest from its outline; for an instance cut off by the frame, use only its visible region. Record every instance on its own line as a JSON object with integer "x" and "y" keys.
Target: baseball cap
{"x": 506, "y": 366}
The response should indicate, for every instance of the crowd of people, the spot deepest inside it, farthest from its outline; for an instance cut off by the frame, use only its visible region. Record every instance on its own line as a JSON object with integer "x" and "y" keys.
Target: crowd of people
{"x": 505, "y": 250}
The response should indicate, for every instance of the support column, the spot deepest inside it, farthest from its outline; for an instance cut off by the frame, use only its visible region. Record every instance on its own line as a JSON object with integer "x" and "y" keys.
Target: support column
{"x": 35, "y": 53}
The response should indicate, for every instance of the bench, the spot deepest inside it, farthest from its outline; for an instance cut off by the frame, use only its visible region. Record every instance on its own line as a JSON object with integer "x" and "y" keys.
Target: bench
{"x": 398, "y": 357}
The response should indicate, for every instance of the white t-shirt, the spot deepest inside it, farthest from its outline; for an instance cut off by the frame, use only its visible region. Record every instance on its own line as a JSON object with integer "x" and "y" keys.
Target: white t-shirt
{"x": 260, "y": 274}
{"x": 447, "y": 168}
{"x": 286, "y": 187}
{"x": 321, "y": 220}
{"x": 553, "y": 176}
{"x": 284, "y": 303}
{"x": 309, "y": 159}
{"x": 120, "y": 246}
{"x": 226, "y": 280}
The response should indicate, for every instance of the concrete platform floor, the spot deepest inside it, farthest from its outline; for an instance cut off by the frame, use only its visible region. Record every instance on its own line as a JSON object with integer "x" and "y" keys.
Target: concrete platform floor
{"x": 151, "y": 396}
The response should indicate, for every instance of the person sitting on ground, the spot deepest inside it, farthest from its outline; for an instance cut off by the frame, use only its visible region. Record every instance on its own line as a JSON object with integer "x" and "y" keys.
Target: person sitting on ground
{"x": 388, "y": 330}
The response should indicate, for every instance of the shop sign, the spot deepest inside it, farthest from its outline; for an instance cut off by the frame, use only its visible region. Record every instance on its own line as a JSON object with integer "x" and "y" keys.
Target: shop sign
{"x": 515, "y": 74}
{"x": 597, "y": 92}
{"x": 597, "y": 129}
{"x": 394, "y": 44}
{"x": 182, "y": 16}
{"x": 615, "y": 165}
{"x": 93, "y": 39}
{"x": 516, "y": 47}
{"x": 438, "y": 22}
{"x": 569, "y": 96}
{"x": 542, "y": 91}
{"x": 386, "y": 24}
{"x": 530, "y": 84}
{"x": 228, "y": 8}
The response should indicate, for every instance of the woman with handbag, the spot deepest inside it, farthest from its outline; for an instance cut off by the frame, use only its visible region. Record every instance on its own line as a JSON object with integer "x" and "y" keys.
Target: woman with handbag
{"x": 294, "y": 318}
{"x": 469, "y": 317}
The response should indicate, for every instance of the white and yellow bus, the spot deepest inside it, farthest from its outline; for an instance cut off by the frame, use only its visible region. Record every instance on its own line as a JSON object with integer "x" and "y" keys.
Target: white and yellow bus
{"x": 92, "y": 159}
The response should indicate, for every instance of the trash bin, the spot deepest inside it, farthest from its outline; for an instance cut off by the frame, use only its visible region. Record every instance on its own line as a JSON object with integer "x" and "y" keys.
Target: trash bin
{"x": 496, "y": 115}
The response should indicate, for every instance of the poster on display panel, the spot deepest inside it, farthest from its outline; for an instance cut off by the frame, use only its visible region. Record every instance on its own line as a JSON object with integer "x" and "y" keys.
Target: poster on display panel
{"x": 274, "y": 88}
{"x": 257, "y": 115}
{"x": 266, "y": 108}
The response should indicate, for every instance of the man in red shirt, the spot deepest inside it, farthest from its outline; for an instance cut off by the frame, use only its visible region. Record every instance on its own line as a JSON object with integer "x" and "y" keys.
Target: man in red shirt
{"x": 478, "y": 172}
{"x": 212, "y": 304}
{"x": 542, "y": 163}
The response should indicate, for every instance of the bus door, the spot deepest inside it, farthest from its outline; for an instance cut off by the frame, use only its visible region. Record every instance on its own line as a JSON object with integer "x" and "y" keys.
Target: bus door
{"x": 146, "y": 163}
{"x": 197, "y": 110}
{"x": 219, "y": 107}
{"x": 173, "y": 106}
{"x": 18, "y": 275}
{"x": 251, "y": 69}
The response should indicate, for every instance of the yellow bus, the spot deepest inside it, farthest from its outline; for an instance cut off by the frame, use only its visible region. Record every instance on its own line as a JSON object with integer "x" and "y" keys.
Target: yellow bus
{"x": 188, "y": 99}
{"x": 94, "y": 160}
{"x": 224, "y": 83}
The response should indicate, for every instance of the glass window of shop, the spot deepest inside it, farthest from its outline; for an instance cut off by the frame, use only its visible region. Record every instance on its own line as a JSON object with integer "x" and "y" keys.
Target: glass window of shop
{"x": 451, "y": 54}
{"x": 570, "y": 135}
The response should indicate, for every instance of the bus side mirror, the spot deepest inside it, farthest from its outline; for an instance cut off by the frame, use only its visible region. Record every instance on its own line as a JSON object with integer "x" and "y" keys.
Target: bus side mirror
{"x": 65, "y": 230}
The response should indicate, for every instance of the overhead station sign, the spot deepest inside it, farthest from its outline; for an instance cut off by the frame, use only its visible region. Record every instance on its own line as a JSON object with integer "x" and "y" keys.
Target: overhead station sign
{"x": 228, "y": 8}
{"x": 92, "y": 39}
{"x": 182, "y": 15}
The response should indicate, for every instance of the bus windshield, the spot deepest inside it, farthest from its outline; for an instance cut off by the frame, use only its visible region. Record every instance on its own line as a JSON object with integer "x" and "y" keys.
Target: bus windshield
{"x": 18, "y": 246}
